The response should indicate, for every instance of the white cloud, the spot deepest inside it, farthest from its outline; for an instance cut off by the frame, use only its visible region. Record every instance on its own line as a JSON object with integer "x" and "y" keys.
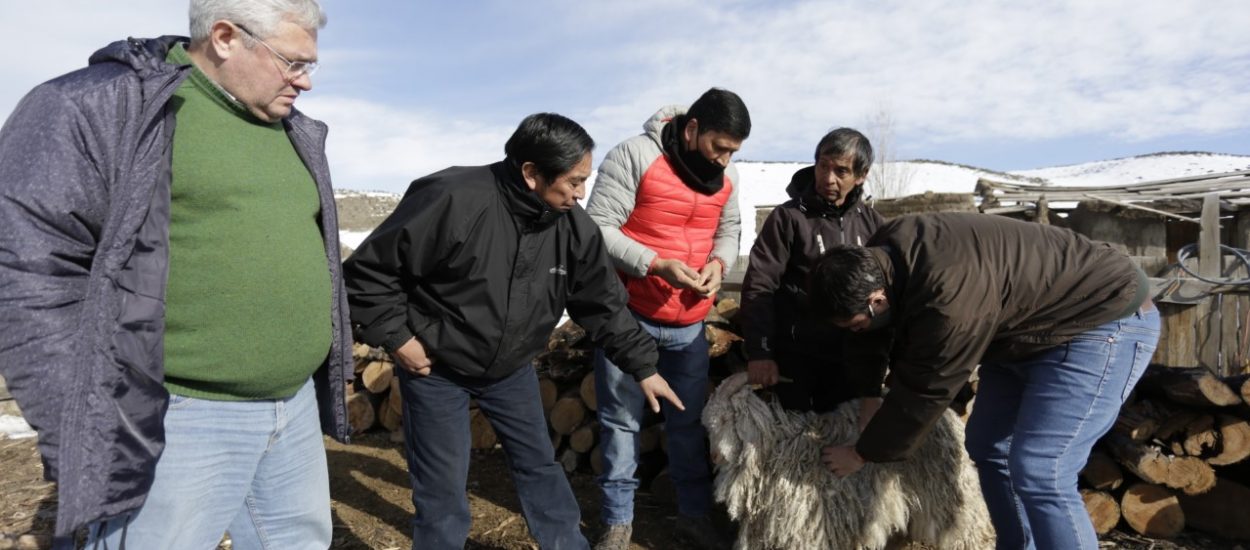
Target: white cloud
{"x": 382, "y": 147}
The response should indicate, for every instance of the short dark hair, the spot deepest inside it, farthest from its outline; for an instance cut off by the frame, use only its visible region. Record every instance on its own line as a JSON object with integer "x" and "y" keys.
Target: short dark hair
{"x": 842, "y": 280}
{"x": 554, "y": 143}
{"x": 720, "y": 110}
{"x": 843, "y": 141}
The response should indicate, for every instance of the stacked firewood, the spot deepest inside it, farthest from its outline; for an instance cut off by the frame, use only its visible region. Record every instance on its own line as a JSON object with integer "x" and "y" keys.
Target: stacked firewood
{"x": 567, "y": 384}
{"x": 1176, "y": 458}
{"x": 373, "y": 398}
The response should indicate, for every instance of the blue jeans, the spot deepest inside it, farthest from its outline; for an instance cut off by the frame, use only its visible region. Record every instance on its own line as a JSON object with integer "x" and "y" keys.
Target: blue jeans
{"x": 1035, "y": 421}
{"x": 436, "y": 438}
{"x": 254, "y": 468}
{"x": 683, "y": 364}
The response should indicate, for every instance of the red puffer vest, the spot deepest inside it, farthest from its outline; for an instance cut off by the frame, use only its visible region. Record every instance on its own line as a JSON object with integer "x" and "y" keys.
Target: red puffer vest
{"x": 678, "y": 223}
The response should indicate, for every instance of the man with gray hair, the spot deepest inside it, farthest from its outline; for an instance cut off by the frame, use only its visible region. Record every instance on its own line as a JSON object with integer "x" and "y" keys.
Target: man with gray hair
{"x": 173, "y": 308}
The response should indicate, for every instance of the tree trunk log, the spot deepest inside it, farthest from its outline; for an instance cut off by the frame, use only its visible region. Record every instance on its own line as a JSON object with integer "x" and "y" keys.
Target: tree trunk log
{"x": 1234, "y": 440}
{"x": 1152, "y": 511}
{"x": 567, "y": 414}
{"x": 587, "y": 391}
{"x": 1189, "y": 474}
{"x": 584, "y": 438}
{"x": 1190, "y": 386}
{"x": 547, "y": 390}
{"x": 1103, "y": 510}
{"x": 377, "y": 376}
{"x": 360, "y": 414}
{"x": 1221, "y": 511}
{"x": 1101, "y": 472}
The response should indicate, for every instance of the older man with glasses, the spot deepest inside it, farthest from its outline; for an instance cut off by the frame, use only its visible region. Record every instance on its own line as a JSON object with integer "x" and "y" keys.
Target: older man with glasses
{"x": 174, "y": 316}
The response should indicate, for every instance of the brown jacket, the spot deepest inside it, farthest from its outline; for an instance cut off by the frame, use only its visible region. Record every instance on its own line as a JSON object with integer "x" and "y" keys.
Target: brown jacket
{"x": 775, "y": 312}
{"x": 964, "y": 288}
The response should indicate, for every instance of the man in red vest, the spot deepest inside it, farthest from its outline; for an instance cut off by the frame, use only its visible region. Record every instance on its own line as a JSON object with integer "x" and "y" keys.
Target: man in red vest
{"x": 667, "y": 203}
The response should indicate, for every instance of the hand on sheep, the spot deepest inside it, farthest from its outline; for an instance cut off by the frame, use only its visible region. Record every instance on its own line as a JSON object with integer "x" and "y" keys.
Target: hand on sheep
{"x": 841, "y": 460}
{"x": 763, "y": 372}
{"x": 655, "y": 387}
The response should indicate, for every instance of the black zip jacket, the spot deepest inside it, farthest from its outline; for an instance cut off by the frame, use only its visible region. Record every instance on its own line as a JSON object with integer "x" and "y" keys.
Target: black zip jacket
{"x": 480, "y": 269}
{"x": 775, "y": 313}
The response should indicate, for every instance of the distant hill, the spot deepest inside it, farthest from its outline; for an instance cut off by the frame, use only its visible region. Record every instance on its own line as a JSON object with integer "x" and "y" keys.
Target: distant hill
{"x": 764, "y": 183}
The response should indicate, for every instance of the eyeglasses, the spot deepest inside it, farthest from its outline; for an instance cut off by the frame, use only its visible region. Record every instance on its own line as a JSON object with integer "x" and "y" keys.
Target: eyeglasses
{"x": 294, "y": 69}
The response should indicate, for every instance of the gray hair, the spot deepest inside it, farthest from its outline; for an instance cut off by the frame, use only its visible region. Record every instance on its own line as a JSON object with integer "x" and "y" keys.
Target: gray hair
{"x": 259, "y": 16}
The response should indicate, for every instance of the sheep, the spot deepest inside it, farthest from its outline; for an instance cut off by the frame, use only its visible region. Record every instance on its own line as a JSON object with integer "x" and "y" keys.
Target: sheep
{"x": 770, "y": 477}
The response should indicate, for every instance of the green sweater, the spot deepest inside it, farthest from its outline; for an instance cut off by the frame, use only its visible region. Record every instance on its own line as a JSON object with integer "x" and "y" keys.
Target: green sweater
{"x": 248, "y": 300}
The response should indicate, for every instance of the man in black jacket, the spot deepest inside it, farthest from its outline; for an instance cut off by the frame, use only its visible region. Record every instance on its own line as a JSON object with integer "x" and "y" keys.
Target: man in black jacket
{"x": 1062, "y": 326}
{"x": 783, "y": 338}
{"x": 463, "y": 284}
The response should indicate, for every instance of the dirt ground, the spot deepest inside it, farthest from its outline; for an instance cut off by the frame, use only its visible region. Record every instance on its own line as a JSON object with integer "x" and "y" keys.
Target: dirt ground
{"x": 372, "y": 508}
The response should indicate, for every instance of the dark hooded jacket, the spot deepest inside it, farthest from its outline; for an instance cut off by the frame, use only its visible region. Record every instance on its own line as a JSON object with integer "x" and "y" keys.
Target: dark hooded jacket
{"x": 775, "y": 313}
{"x": 964, "y": 288}
{"x": 85, "y": 164}
{"x": 479, "y": 269}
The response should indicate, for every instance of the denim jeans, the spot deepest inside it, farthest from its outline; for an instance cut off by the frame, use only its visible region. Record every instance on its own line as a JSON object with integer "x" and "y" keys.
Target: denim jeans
{"x": 1035, "y": 421}
{"x": 683, "y": 363}
{"x": 436, "y": 438}
{"x": 255, "y": 468}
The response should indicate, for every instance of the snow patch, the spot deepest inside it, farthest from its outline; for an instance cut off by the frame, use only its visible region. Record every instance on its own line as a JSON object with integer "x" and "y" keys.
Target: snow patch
{"x": 15, "y": 427}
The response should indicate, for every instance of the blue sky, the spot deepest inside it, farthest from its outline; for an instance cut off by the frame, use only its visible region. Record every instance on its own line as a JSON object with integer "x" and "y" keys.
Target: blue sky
{"x": 411, "y": 87}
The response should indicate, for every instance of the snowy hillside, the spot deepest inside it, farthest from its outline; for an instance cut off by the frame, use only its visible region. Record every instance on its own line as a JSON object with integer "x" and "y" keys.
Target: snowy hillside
{"x": 1140, "y": 169}
{"x": 764, "y": 183}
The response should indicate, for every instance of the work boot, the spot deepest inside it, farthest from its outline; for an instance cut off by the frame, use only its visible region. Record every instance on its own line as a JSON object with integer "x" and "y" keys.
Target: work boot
{"x": 702, "y": 533}
{"x": 615, "y": 537}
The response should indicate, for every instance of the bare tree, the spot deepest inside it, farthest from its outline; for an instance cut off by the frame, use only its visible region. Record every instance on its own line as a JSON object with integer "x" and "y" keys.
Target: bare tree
{"x": 889, "y": 177}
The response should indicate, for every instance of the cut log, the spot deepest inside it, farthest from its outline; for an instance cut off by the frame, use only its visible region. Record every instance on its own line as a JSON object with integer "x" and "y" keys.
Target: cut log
{"x": 719, "y": 340}
{"x": 587, "y": 391}
{"x": 547, "y": 390}
{"x": 1103, "y": 510}
{"x": 566, "y": 365}
{"x": 1190, "y": 386}
{"x": 1172, "y": 424}
{"x": 571, "y": 460}
{"x": 377, "y": 376}
{"x": 391, "y": 412}
{"x": 596, "y": 460}
{"x": 1200, "y": 437}
{"x": 395, "y": 399}
{"x": 360, "y": 413}
{"x": 1101, "y": 472}
{"x": 481, "y": 433}
{"x": 1234, "y": 441}
{"x": 584, "y": 438}
{"x": 567, "y": 414}
{"x": 1152, "y": 511}
{"x": 566, "y": 335}
{"x": 1240, "y": 384}
{"x": 1189, "y": 474}
{"x": 1221, "y": 511}
{"x": 556, "y": 441}
{"x": 1138, "y": 421}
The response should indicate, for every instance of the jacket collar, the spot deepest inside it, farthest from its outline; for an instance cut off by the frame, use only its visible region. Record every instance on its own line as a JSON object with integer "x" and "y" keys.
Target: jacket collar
{"x": 528, "y": 210}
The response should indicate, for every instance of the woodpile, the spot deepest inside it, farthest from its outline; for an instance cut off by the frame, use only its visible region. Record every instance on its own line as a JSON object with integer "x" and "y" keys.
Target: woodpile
{"x": 567, "y": 384}
{"x": 1175, "y": 458}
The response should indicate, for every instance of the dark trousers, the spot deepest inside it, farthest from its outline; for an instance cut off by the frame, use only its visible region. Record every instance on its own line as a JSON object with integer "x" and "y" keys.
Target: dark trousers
{"x": 436, "y": 437}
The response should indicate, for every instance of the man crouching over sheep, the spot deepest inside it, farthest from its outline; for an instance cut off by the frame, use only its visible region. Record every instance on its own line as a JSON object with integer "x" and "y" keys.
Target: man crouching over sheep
{"x": 1063, "y": 328}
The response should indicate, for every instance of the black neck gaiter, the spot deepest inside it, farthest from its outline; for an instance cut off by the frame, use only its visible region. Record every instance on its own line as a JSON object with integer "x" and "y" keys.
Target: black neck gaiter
{"x": 695, "y": 170}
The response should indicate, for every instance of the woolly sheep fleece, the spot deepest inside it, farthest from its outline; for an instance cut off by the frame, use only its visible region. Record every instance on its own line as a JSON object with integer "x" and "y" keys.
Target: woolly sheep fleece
{"x": 770, "y": 477}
